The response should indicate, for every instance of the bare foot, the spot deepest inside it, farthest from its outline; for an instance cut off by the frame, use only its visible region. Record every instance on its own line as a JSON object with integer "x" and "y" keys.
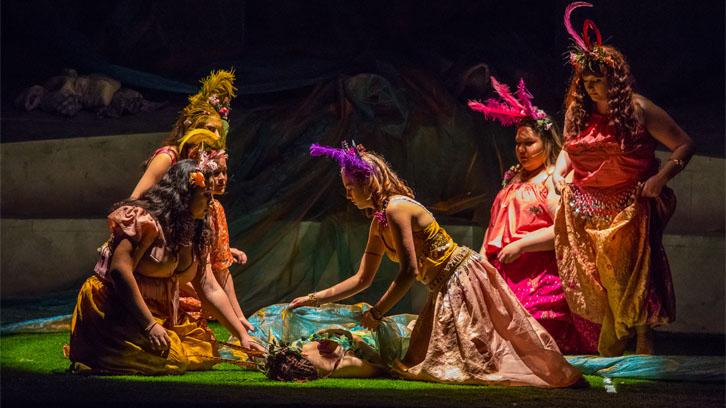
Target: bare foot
{"x": 644, "y": 340}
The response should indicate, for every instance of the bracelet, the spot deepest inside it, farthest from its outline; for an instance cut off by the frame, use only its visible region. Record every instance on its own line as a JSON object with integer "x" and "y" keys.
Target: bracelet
{"x": 375, "y": 314}
{"x": 680, "y": 163}
{"x": 148, "y": 328}
{"x": 314, "y": 299}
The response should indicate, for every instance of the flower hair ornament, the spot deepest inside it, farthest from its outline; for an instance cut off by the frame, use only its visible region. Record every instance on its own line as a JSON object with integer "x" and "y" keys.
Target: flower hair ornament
{"x": 512, "y": 109}
{"x": 205, "y": 164}
{"x": 348, "y": 158}
{"x": 583, "y": 53}
{"x": 215, "y": 95}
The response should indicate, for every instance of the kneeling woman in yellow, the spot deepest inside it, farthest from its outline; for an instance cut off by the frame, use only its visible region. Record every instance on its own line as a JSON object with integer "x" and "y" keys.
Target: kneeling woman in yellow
{"x": 472, "y": 329}
{"x": 126, "y": 318}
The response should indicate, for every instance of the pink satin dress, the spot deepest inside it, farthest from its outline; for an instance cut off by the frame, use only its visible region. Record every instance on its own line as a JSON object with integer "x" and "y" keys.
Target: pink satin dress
{"x": 519, "y": 209}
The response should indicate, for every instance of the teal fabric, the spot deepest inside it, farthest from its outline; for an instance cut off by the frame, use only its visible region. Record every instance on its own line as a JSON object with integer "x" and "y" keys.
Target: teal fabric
{"x": 680, "y": 368}
{"x": 390, "y": 340}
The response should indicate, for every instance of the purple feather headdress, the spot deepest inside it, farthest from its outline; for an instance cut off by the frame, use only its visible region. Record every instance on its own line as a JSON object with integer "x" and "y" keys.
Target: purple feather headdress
{"x": 348, "y": 159}
{"x": 583, "y": 52}
{"x": 512, "y": 110}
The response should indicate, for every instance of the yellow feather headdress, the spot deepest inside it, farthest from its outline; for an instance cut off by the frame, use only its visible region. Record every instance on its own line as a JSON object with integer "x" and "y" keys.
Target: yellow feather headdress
{"x": 214, "y": 97}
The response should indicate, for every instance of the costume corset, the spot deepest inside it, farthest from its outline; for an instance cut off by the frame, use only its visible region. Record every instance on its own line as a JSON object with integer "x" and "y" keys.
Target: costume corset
{"x": 434, "y": 246}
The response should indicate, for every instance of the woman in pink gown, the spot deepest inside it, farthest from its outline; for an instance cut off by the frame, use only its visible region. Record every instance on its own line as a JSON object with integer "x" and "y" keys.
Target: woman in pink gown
{"x": 519, "y": 241}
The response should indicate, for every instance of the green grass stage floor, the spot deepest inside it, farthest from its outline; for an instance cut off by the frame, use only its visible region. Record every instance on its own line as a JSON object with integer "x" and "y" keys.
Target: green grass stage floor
{"x": 33, "y": 373}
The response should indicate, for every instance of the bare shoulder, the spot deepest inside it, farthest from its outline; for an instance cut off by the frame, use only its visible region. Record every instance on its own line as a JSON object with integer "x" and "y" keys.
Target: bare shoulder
{"x": 641, "y": 101}
{"x": 160, "y": 163}
{"x": 398, "y": 207}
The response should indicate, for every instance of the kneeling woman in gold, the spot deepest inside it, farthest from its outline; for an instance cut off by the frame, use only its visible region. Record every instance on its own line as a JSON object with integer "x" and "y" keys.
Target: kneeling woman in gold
{"x": 472, "y": 329}
{"x": 126, "y": 318}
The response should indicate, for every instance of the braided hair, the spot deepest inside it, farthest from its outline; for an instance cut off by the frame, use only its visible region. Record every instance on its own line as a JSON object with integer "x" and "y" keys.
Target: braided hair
{"x": 288, "y": 364}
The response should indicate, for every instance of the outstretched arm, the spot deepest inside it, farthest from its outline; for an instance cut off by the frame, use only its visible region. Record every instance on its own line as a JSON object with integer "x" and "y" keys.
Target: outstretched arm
{"x": 399, "y": 220}
{"x": 360, "y": 281}
{"x": 159, "y": 165}
{"x": 216, "y": 302}
{"x": 224, "y": 278}
{"x": 665, "y": 130}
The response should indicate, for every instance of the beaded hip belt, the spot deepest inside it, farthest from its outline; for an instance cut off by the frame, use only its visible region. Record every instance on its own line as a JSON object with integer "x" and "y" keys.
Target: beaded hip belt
{"x": 458, "y": 258}
{"x": 600, "y": 206}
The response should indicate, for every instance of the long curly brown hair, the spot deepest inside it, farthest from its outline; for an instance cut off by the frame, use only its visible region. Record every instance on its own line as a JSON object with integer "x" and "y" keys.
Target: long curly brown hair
{"x": 384, "y": 182}
{"x": 169, "y": 203}
{"x": 621, "y": 109}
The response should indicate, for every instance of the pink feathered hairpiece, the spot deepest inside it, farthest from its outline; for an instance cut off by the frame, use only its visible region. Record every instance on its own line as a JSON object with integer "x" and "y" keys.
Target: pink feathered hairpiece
{"x": 512, "y": 110}
{"x": 583, "y": 52}
{"x": 348, "y": 159}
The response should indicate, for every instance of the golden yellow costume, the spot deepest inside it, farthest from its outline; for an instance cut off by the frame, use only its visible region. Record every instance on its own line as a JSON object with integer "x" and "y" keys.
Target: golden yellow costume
{"x": 609, "y": 241}
{"x": 105, "y": 338}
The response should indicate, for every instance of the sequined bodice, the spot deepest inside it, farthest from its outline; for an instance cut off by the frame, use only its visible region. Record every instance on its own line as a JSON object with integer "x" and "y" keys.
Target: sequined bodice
{"x": 607, "y": 172}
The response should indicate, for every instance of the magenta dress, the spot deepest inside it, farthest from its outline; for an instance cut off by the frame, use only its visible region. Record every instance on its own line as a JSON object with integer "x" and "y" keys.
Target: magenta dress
{"x": 518, "y": 209}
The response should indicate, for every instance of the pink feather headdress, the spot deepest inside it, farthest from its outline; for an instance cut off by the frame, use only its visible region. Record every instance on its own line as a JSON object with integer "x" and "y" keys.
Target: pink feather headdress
{"x": 512, "y": 109}
{"x": 583, "y": 53}
{"x": 348, "y": 158}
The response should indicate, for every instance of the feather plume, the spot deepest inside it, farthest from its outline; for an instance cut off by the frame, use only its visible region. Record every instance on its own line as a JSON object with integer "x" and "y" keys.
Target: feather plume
{"x": 589, "y": 24}
{"x": 526, "y": 99}
{"x": 568, "y": 24}
{"x": 510, "y": 110}
{"x": 220, "y": 83}
{"x": 504, "y": 92}
{"x": 347, "y": 159}
{"x": 501, "y": 112}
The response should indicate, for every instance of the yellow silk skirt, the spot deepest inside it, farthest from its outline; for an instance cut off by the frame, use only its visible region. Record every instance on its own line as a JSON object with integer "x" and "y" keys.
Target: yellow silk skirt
{"x": 106, "y": 339}
{"x": 614, "y": 272}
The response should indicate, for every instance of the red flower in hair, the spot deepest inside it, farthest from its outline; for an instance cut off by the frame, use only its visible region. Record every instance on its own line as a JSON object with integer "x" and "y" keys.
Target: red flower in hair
{"x": 197, "y": 178}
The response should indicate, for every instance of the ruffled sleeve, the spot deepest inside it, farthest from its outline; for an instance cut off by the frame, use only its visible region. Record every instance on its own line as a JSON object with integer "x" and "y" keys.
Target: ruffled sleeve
{"x": 136, "y": 225}
{"x": 167, "y": 150}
